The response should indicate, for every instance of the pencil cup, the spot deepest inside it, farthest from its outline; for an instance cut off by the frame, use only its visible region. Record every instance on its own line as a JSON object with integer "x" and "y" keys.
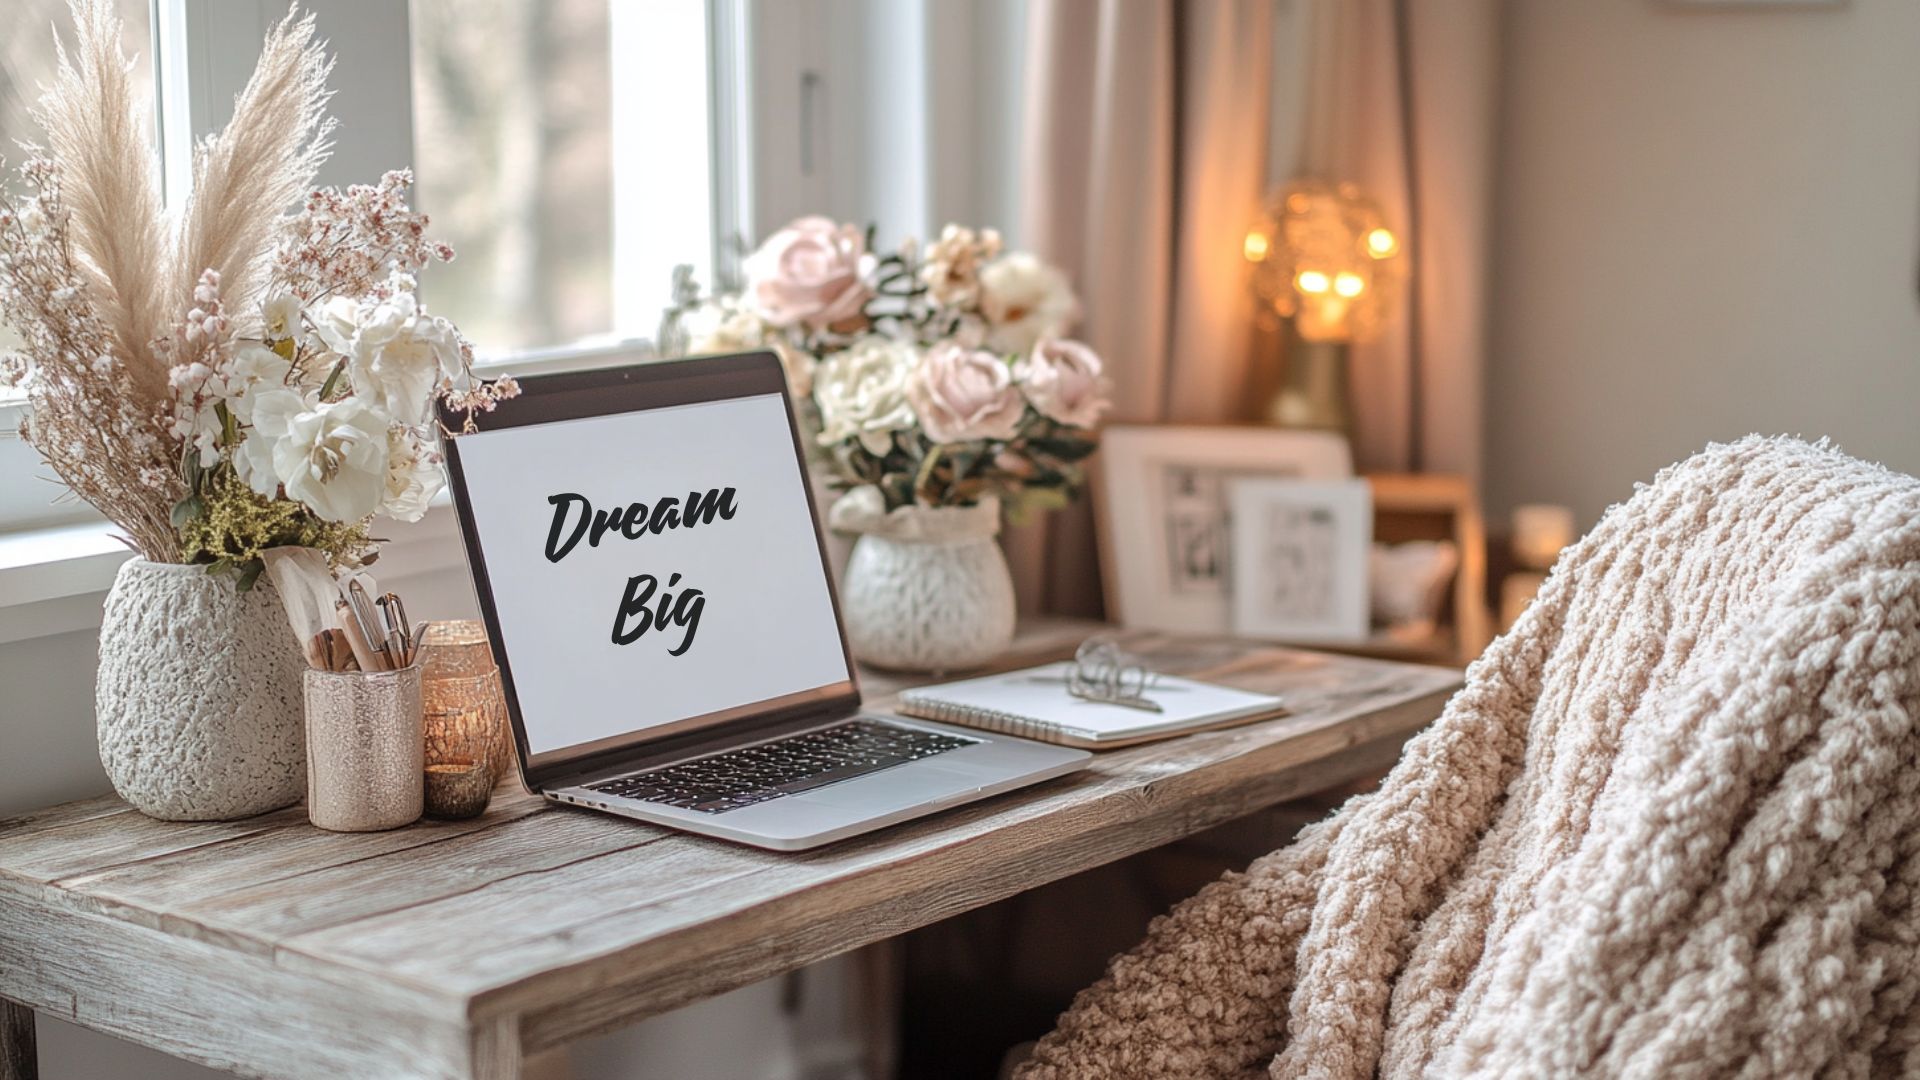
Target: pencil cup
{"x": 365, "y": 749}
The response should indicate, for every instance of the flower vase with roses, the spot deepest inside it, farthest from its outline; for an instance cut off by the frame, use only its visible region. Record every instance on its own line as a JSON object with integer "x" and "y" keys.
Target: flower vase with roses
{"x": 220, "y": 382}
{"x": 940, "y": 390}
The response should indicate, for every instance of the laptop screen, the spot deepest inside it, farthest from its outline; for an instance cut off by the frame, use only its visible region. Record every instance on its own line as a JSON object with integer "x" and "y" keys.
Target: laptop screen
{"x": 652, "y": 569}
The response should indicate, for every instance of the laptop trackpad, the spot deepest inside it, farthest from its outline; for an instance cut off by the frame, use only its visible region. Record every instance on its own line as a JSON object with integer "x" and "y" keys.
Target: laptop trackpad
{"x": 915, "y": 784}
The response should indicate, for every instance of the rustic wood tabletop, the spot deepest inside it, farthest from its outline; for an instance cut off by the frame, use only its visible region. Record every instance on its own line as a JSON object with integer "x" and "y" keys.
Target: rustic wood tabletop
{"x": 452, "y": 949}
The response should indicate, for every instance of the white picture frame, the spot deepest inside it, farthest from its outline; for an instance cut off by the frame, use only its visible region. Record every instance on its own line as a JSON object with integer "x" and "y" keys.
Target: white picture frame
{"x": 1160, "y": 496}
{"x": 1301, "y": 552}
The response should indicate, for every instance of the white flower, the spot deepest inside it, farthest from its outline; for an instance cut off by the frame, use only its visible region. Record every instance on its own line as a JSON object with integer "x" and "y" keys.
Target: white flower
{"x": 333, "y": 458}
{"x": 1025, "y": 300}
{"x": 951, "y": 271}
{"x": 282, "y": 314}
{"x": 32, "y": 219}
{"x": 271, "y": 417}
{"x": 254, "y": 370}
{"x": 397, "y": 355}
{"x": 1063, "y": 380}
{"x": 722, "y": 326}
{"x": 862, "y": 392}
{"x": 413, "y": 474}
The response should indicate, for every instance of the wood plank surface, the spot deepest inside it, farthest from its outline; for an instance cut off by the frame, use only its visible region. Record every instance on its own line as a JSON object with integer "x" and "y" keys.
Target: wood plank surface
{"x": 536, "y": 924}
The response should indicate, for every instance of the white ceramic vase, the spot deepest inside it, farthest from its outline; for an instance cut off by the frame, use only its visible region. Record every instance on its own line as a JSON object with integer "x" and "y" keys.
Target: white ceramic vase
{"x": 198, "y": 699}
{"x": 927, "y": 589}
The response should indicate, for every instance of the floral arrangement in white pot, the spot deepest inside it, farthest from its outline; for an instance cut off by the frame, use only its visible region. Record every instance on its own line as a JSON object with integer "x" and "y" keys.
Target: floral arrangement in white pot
{"x": 939, "y": 386}
{"x": 251, "y": 372}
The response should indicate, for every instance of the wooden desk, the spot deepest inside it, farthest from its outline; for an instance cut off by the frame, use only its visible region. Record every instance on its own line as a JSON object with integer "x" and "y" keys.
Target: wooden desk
{"x": 451, "y": 949}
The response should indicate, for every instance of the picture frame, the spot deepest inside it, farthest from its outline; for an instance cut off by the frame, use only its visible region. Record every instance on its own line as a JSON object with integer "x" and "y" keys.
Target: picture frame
{"x": 1162, "y": 518}
{"x": 1301, "y": 558}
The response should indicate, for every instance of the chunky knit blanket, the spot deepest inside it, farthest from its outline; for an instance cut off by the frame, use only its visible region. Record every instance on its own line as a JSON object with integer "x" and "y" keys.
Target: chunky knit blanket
{"x": 1668, "y": 828}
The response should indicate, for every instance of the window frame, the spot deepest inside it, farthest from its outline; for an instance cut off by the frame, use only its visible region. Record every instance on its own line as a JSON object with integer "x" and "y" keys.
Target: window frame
{"x": 203, "y": 52}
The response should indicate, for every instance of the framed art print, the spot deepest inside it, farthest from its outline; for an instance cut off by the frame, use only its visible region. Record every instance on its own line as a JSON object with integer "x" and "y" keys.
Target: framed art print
{"x": 1300, "y": 558}
{"x": 1163, "y": 519}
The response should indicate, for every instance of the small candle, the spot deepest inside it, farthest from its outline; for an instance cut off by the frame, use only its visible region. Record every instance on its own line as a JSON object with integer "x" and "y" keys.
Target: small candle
{"x": 458, "y": 789}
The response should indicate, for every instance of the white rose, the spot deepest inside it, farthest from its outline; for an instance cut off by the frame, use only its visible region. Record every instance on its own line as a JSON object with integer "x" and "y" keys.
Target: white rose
{"x": 413, "y": 474}
{"x": 862, "y": 392}
{"x": 1025, "y": 300}
{"x": 397, "y": 355}
{"x": 333, "y": 458}
{"x": 1063, "y": 380}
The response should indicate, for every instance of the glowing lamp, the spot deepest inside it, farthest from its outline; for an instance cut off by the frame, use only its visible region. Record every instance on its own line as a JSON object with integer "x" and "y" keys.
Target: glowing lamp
{"x": 1324, "y": 260}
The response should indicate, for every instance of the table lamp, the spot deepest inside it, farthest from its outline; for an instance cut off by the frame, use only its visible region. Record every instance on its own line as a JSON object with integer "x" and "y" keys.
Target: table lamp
{"x": 1325, "y": 262}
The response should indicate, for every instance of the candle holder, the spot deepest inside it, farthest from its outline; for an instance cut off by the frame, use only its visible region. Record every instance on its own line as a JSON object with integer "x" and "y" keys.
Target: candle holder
{"x": 466, "y": 710}
{"x": 364, "y": 749}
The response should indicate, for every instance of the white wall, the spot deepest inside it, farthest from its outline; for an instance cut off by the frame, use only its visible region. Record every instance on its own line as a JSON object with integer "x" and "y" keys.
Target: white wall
{"x": 1708, "y": 224}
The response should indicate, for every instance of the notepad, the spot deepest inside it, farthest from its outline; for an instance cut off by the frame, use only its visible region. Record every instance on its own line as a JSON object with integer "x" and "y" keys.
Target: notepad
{"x": 1034, "y": 704}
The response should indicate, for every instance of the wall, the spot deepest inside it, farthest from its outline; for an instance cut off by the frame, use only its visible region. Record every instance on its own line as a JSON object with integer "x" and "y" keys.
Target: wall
{"x": 1707, "y": 226}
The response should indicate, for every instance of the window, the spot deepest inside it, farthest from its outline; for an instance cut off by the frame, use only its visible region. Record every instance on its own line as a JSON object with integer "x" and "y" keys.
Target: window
{"x": 562, "y": 147}
{"x": 565, "y": 148}
{"x": 28, "y": 497}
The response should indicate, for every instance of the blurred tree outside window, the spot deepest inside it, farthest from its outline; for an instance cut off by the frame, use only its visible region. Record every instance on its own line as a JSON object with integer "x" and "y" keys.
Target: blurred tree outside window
{"x": 568, "y": 183}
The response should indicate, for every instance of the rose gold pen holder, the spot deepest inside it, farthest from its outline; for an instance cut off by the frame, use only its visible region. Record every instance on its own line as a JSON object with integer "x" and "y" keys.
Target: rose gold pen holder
{"x": 365, "y": 749}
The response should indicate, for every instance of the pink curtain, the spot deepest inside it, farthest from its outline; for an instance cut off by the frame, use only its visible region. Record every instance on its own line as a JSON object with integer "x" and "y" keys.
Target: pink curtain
{"x": 1145, "y": 156}
{"x": 1144, "y": 161}
{"x": 1401, "y": 100}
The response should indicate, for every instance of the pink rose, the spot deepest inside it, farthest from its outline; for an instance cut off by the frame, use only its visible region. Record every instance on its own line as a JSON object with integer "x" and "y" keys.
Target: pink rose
{"x": 813, "y": 272}
{"x": 962, "y": 394}
{"x": 1062, "y": 379}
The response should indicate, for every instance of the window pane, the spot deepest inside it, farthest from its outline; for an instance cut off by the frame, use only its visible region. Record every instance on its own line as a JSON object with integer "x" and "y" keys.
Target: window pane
{"x": 28, "y": 497}
{"x": 536, "y": 159}
{"x": 27, "y": 65}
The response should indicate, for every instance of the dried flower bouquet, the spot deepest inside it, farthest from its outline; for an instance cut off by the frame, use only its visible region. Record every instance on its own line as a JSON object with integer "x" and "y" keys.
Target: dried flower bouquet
{"x": 252, "y": 371}
{"x": 931, "y": 378}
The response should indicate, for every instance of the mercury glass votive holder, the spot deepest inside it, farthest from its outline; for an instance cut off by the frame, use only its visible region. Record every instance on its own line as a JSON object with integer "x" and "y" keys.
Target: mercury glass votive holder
{"x": 465, "y": 705}
{"x": 365, "y": 749}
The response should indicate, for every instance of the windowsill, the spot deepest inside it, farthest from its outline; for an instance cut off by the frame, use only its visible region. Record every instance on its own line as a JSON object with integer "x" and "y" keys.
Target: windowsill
{"x": 53, "y": 581}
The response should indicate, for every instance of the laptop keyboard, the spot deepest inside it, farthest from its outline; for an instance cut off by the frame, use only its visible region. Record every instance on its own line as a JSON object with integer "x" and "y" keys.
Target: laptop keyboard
{"x": 789, "y": 766}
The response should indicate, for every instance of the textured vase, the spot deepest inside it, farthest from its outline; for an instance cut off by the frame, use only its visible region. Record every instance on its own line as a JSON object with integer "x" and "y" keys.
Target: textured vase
{"x": 198, "y": 699}
{"x": 927, "y": 589}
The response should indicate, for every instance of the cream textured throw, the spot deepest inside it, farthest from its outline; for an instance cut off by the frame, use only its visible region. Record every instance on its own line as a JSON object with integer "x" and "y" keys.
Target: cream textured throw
{"x": 1668, "y": 829}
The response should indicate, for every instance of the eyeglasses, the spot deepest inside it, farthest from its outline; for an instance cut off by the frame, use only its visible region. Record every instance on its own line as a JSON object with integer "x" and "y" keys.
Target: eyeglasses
{"x": 1105, "y": 673}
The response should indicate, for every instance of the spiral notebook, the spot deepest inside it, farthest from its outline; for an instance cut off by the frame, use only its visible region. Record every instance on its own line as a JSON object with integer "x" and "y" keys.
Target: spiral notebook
{"x": 1034, "y": 704}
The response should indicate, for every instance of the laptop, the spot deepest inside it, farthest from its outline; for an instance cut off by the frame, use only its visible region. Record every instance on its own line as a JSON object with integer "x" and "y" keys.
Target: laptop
{"x": 648, "y": 559}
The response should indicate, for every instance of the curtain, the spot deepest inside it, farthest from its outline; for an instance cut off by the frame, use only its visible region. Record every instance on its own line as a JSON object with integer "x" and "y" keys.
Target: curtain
{"x": 1145, "y": 156}
{"x": 1144, "y": 159}
{"x": 1400, "y": 99}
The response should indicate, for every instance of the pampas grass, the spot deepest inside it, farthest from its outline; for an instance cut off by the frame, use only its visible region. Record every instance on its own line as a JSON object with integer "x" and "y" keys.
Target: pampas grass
{"x": 262, "y": 165}
{"x": 104, "y": 292}
{"x": 107, "y": 172}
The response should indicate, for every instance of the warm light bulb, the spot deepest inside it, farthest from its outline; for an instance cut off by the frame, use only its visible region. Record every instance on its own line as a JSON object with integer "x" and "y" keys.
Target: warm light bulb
{"x": 1380, "y": 243}
{"x": 1348, "y": 285}
{"x": 1311, "y": 281}
{"x": 1256, "y": 246}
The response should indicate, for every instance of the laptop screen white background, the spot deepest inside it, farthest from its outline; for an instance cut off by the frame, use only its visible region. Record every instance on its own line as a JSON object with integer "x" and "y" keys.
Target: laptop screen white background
{"x": 764, "y": 627}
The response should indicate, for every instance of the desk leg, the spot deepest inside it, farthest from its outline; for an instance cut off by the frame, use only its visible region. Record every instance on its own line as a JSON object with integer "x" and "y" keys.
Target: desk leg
{"x": 496, "y": 1051}
{"x": 19, "y": 1059}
